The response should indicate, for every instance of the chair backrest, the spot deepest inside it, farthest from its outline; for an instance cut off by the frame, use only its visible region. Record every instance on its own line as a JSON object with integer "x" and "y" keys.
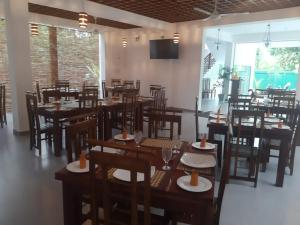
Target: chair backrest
{"x": 106, "y": 161}
{"x": 129, "y": 112}
{"x": 77, "y": 135}
{"x": 154, "y": 88}
{"x": 128, "y": 83}
{"x": 224, "y": 175}
{"x": 288, "y": 102}
{"x": 32, "y": 110}
{"x": 88, "y": 101}
{"x": 51, "y": 93}
{"x": 90, "y": 90}
{"x": 239, "y": 103}
{"x": 115, "y": 82}
{"x": 63, "y": 85}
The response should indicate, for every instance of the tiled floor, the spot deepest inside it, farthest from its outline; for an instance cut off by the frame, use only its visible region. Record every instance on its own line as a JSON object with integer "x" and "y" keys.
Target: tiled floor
{"x": 29, "y": 194}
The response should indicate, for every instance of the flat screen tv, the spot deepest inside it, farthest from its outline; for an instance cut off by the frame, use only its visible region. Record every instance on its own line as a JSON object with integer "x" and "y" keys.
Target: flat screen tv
{"x": 163, "y": 49}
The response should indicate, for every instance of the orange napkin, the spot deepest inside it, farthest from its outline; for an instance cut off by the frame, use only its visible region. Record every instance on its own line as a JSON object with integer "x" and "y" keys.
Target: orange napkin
{"x": 82, "y": 161}
{"x": 194, "y": 178}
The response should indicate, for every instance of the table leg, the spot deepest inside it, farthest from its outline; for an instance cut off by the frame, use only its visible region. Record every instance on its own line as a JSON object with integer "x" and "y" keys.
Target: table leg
{"x": 107, "y": 125}
{"x": 71, "y": 206}
{"x": 57, "y": 137}
{"x": 283, "y": 156}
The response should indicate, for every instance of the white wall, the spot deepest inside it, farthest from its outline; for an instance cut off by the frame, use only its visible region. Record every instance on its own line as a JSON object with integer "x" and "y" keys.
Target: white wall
{"x": 179, "y": 76}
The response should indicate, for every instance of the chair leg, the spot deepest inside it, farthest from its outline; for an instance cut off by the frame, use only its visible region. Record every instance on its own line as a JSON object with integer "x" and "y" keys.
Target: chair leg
{"x": 292, "y": 158}
{"x": 39, "y": 143}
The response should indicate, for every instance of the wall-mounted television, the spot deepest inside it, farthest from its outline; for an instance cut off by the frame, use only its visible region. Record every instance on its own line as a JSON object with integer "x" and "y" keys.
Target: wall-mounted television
{"x": 163, "y": 49}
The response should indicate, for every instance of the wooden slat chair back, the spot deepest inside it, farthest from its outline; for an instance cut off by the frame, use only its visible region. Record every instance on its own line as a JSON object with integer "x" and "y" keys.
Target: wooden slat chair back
{"x": 128, "y": 84}
{"x": 288, "y": 102}
{"x": 88, "y": 102}
{"x": 106, "y": 161}
{"x": 77, "y": 135}
{"x": 90, "y": 90}
{"x": 159, "y": 115}
{"x": 63, "y": 85}
{"x": 51, "y": 95}
{"x": 239, "y": 103}
{"x": 243, "y": 144}
{"x": 129, "y": 112}
{"x": 115, "y": 82}
{"x": 155, "y": 88}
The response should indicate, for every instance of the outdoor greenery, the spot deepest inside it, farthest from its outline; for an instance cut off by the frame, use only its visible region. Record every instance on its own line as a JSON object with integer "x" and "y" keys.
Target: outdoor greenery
{"x": 278, "y": 59}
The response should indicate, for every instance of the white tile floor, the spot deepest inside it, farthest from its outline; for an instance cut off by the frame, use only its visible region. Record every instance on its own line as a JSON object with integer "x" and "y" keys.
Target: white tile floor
{"x": 29, "y": 195}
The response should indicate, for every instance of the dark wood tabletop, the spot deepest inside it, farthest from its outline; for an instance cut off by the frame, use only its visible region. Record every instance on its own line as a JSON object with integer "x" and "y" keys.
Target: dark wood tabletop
{"x": 167, "y": 195}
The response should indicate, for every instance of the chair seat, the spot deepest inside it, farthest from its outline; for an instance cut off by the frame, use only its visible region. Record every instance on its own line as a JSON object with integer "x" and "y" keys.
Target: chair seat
{"x": 244, "y": 151}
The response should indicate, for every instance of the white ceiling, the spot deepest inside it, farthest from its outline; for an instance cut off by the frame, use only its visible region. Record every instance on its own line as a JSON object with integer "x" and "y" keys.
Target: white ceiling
{"x": 288, "y": 29}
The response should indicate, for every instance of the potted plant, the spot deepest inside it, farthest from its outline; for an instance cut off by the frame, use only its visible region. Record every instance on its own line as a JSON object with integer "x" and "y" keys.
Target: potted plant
{"x": 224, "y": 75}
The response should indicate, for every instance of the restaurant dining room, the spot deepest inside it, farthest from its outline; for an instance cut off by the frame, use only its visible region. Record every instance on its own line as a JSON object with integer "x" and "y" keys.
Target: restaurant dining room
{"x": 163, "y": 112}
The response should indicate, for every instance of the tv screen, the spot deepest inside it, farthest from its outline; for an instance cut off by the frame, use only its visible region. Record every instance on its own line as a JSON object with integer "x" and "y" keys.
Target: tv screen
{"x": 163, "y": 49}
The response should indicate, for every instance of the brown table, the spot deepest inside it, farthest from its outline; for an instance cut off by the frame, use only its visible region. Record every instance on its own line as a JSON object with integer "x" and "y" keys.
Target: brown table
{"x": 167, "y": 195}
{"x": 283, "y": 135}
{"x": 71, "y": 108}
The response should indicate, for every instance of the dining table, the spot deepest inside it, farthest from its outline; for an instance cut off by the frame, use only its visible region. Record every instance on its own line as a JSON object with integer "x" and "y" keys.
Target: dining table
{"x": 269, "y": 132}
{"x": 69, "y": 108}
{"x": 165, "y": 193}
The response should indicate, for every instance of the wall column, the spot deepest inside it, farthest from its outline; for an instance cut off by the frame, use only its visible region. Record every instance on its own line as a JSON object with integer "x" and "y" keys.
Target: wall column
{"x": 19, "y": 61}
{"x": 53, "y": 54}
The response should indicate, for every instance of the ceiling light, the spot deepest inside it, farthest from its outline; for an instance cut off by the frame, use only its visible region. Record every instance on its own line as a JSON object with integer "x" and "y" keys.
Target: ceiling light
{"x": 267, "y": 38}
{"x": 83, "y": 20}
{"x": 124, "y": 42}
{"x": 176, "y": 38}
{"x": 218, "y": 42}
{"x": 34, "y": 28}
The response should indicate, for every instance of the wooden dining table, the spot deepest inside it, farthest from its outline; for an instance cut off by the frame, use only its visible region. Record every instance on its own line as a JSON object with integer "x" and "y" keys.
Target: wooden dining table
{"x": 283, "y": 135}
{"x": 165, "y": 195}
{"x": 68, "y": 109}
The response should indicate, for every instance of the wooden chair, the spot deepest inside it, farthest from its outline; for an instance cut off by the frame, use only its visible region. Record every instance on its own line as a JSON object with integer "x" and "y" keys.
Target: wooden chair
{"x": 107, "y": 194}
{"x": 3, "y": 119}
{"x": 243, "y": 144}
{"x": 88, "y": 101}
{"x": 129, "y": 112}
{"x": 129, "y": 84}
{"x": 215, "y": 216}
{"x": 77, "y": 135}
{"x": 288, "y": 102}
{"x": 115, "y": 82}
{"x": 159, "y": 115}
{"x": 36, "y": 128}
{"x": 291, "y": 118}
{"x": 62, "y": 85}
{"x": 90, "y": 90}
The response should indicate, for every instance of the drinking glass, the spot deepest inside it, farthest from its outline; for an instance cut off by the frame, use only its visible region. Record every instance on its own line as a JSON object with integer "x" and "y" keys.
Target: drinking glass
{"x": 138, "y": 136}
{"x": 166, "y": 156}
{"x": 176, "y": 149}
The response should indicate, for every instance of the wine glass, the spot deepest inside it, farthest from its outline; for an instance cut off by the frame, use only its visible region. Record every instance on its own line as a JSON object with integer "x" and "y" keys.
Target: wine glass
{"x": 166, "y": 156}
{"x": 176, "y": 148}
{"x": 138, "y": 136}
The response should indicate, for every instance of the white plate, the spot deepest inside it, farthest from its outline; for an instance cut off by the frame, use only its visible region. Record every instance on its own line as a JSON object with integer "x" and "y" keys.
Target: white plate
{"x": 272, "y": 120}
{"x": 74, "y": 167}
{"x": 284, "y": 127}
{"x": 215, "y": 116}
{"x": 119, "y": 137}
{"x": 198, "y": 160}
{"x": 124, "y": 175}
{"x": 208, "y": 146}
{"x": 215, "y": 121}
{"x": 203, "y": 185}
